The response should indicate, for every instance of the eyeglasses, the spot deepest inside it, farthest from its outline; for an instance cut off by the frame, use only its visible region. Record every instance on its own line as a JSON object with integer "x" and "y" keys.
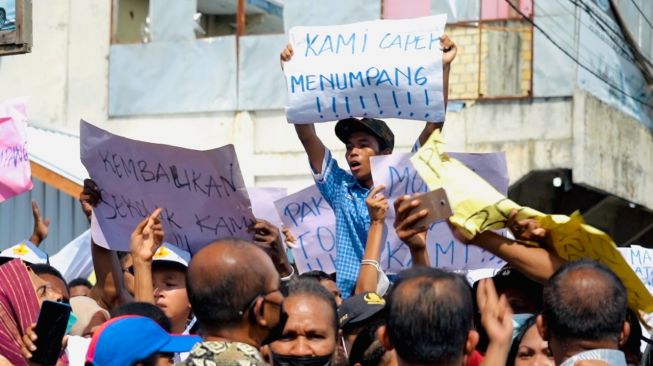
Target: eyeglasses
{"x": 251, "y": 303}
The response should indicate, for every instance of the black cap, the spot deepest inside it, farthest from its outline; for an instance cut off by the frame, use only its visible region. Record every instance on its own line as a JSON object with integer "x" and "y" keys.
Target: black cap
{"x": 376, "y": 127}
{"x": 355, "y": 310}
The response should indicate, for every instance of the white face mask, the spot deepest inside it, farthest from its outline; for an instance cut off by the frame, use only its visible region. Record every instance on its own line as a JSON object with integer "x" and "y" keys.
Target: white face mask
{"x": 382, "y": 283}
{"x": 518, "y": 321}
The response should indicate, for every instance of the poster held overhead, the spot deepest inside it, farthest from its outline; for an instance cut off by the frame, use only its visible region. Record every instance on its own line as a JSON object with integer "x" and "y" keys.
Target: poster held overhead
{"x": 202, "y": 193}
{"x": 380, "y": 68}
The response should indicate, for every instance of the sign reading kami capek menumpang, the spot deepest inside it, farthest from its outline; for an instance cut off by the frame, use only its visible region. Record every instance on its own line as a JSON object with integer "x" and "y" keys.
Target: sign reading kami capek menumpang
{"x": 380, "y": 68}
{"x": 202, "y": 193}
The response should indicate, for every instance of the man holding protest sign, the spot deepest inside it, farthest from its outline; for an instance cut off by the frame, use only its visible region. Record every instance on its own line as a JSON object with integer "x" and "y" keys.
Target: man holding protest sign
{"x": 363, "y": 138}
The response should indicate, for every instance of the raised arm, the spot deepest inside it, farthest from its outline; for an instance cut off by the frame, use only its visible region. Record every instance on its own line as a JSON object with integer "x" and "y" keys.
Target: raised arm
{"x": 306, "y": 132}
{"x": 537, "y": 263}
{"x": 377, "y": 205}
{"x": 109, "y": 290}
{"x": 312, "y": 145}
{"x": 145, "y": 240}
{"x": 496, "y": 318}
{"x": 268, "y": 238}
{"x": 41, "y": 226}
{"x": 449, "y": 51}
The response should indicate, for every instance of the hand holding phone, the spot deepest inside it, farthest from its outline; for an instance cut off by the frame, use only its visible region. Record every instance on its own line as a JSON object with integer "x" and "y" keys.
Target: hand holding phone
{"x": 49, "y": 330}
{"x": 434, "y": 202}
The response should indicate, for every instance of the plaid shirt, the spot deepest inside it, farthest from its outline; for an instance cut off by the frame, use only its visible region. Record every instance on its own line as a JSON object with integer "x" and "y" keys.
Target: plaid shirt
{"x": 347, "y": 199}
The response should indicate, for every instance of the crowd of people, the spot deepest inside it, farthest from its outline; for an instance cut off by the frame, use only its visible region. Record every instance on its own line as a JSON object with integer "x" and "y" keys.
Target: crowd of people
{"x": 243, "y": 303}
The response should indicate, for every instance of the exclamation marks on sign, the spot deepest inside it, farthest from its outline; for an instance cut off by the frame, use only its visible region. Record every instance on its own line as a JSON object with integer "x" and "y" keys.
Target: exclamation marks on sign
{"x": 376, "y": 98}
{"x": 426, "y": 98}
{"x": 319, "y": 107}
{"x": 362, "y": 104}
{"x": 394, "y": 100}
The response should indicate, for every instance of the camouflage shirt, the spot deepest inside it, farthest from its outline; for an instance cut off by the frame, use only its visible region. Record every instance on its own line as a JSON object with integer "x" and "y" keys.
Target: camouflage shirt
{"x": 223, "y": 354}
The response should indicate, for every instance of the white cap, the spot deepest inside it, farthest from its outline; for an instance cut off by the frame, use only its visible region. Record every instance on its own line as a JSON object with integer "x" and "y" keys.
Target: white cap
{"x": 170, "y": 253}
{"x": 26, "y": 251}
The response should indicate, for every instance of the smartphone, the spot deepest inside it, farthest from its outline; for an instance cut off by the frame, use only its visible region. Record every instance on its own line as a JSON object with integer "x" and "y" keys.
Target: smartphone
{"x": 50, "y": 330}
{"x": 437, "y": 204}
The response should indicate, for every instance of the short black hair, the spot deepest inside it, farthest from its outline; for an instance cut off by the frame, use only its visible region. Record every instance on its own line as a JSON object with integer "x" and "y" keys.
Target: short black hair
{"x": 593, "y": 309}
{"x": 79, "y": 281}
{"x": 367, "y": 349}
{"x": 631, "y": 348}
{"x": 218, "y": 300}
{"x": 316, "y": 275}
{"x": 42, "y": 268}
{"x": 143, "y": 309}
{"x": 310, "y": 287}
{"x": 430, "y": 315}
{"x": 512, "y": 354}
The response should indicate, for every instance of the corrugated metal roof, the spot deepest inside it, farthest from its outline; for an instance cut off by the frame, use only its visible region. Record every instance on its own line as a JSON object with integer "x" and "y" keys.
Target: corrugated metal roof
{"x": 57, "y": 151}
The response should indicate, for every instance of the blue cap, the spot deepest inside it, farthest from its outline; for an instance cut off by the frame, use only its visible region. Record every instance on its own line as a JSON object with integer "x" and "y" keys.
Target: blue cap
{"x": 127, "y": 339}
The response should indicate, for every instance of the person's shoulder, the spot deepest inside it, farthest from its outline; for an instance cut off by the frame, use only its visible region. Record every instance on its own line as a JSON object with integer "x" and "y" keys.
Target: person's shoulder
{"x": 224, "y": 354}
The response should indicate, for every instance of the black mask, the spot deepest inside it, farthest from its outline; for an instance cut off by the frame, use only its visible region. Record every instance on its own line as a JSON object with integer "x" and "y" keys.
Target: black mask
{"x": 277, "y": 330}
{"x": 279, "y": 360}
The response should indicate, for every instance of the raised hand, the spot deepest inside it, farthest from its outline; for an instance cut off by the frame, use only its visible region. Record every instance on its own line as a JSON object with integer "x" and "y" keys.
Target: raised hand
{"x": 286, "y": 54}
{"x": 449, "y": 50}
{"x": 147, "y": 237}
{"x": 406, "y": 223}
{"x": 90, "y": 197}
{"x": 377, "y": 204}
{"x": 268, "y": 238}
{"x": 41, "y": 226}
{"x": 527, "y": 229}
{"x": 496, "y": 314}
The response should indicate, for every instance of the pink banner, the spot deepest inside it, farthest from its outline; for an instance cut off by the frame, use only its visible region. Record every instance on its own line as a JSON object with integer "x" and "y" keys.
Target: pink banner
{"x": 499, "y": 9}
{"x": 15, "y": 172}
{"x": 404, "y": 9}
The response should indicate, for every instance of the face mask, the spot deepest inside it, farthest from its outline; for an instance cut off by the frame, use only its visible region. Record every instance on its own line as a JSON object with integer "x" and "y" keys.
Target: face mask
{"x": 518, "y": 321}
{"x": 277, "y": 330}
{"x": 71, "y": 322}
{"x": 279, "y": 360}
{"x": 382, "y": 283}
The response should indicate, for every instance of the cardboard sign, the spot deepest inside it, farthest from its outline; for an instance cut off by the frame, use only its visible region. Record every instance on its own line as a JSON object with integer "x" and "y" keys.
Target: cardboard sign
{"x": 478, "y": 207}
{"x": 399, "y": 177}
{"x": 202, "y": 193}
{"x": 15, "y": 171}
{"x": 313, "y": 223}
{"x": 380, "y": 68}
{"x": 262, "y": 199}
{"x": 640, "y": 260}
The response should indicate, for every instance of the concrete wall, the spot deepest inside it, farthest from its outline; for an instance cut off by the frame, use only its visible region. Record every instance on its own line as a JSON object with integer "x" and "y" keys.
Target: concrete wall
{"x": 612, "y": 151}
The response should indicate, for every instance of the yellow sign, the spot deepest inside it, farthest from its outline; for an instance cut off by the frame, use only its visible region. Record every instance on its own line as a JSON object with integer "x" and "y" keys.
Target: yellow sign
{"x": 477, "y": 207}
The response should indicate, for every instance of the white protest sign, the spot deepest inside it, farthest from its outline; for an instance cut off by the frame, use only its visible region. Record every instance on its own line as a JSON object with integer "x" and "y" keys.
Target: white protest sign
{"x": 202, "y": 193}
{"x": 445, "y": 251}
{"x": 262, "y": 199}
{"x": 641, "y": 260}
{"x": 313, "y": 223}
{"x": 380, "y": 68}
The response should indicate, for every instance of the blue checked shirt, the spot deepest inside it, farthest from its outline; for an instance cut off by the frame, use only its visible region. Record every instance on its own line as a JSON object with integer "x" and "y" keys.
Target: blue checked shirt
{"x": 347, "y": 199}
